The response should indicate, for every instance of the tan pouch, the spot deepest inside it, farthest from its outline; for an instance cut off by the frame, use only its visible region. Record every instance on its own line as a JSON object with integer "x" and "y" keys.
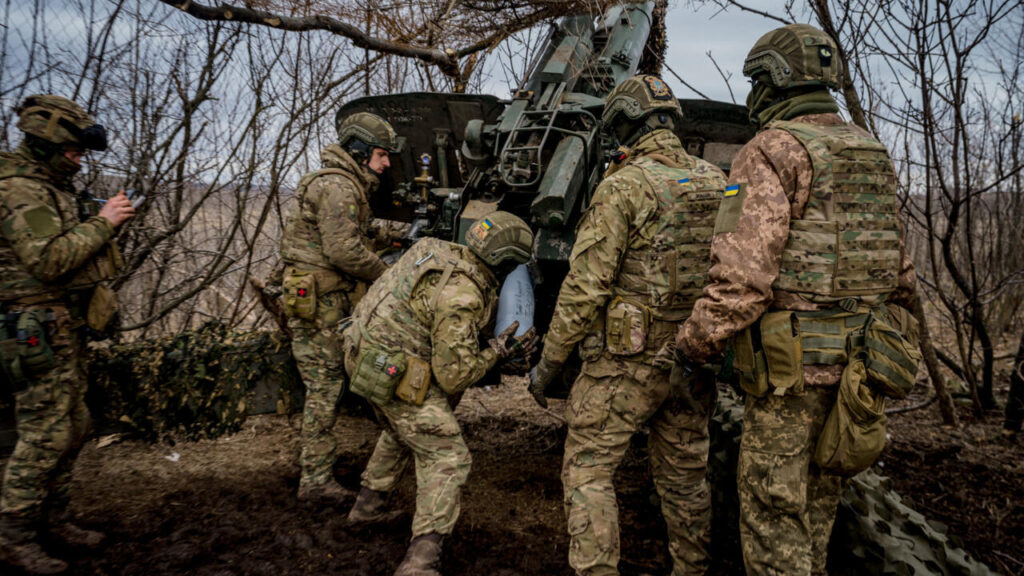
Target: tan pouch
{"x": 299, "y": 292}
{"x": 890, "y": 358}
{"x": 415, "y": 382}
{"x": 103, "y": 307}
{"x": 854, "y": 432}
{"x": 377, "y": 373}
{"x": 625, "y": 327}
{"x": 783, "y": 353}
{"x": 749, "y": 364}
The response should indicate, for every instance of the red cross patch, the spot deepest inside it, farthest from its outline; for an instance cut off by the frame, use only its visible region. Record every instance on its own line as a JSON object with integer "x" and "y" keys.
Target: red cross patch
{"x": 391, "y": 370}
{"x": 33, "y": 341}
{"x": 302, "y": 291}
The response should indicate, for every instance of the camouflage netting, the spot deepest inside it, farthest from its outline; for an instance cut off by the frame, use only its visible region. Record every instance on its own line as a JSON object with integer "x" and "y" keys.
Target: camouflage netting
{"x": 201, "y": 383}
{"x": 875, "y": 532}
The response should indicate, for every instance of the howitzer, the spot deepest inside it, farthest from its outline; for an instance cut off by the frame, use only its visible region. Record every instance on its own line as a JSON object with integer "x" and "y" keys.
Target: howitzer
{"x": 539, "y": 155}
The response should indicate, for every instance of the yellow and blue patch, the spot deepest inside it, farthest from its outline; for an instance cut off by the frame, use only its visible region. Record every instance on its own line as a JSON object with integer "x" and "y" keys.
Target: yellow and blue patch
{"x": 732, "y": 190}
{"x": 486, "y": 224}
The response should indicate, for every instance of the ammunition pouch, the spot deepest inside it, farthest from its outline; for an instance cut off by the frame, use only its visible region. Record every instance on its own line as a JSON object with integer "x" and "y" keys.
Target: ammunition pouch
{"x": 25, "y": 350}
{"x": 102, "y": 308}
{"x": 415, "y": 382}
{"x": 891, "y": 359}
{"x": 854, "y": 432}
{"x": 376, "y": 373}
{"x": 626, "y": 327}
{"x": 299, "y": 291}
{"x": 769, "y": 355}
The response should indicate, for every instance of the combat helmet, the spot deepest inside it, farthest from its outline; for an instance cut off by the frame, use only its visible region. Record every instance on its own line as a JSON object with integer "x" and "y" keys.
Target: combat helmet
{"x": 629, "y": 105}
{"x": 362, "y": 132}
{"x": 500, "y": 238}
{"x": 793, "y": 56}
{"x": 60, "y": 121}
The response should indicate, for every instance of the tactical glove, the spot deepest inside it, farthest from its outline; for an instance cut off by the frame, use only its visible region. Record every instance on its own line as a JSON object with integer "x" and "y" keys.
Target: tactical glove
{"x": 692, "y": 386}
{"x": 542, "y": 375}
{"x": 514, "y": 352}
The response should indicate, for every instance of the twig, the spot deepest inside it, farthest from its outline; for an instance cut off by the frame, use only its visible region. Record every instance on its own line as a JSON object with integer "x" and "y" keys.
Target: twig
{"x": 904, "y": 409}
{"x": 723, "y": 75}
{"x": 685, "y": 83}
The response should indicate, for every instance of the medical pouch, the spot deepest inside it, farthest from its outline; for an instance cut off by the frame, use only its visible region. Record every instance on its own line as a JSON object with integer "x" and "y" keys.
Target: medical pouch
{"x": 780, "y": 340}
{"x": 299, "y": 292}
{"x": 854, "y": 432}
{"x": 625, "y": 327}
{"x": 749, "y": 362}
{"x": 890, "y": 359}
{"x": 415, "y": 383}
{"x": 34, "y": 352}
{"x": 377, "y": 373}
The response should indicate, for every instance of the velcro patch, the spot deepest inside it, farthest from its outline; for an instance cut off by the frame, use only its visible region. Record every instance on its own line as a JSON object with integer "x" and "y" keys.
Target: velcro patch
{"x": 658, "y": 89}
{"x": 42, "y": 221}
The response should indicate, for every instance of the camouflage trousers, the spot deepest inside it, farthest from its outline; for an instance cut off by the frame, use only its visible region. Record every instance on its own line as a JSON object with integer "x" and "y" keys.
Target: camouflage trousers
{"x": 609, "y": 403}
{"x": 52, "y": 421}
{"x": 787, "y": 505}
{"x": 431, "y": 435}
{"x": 316, "y": 346}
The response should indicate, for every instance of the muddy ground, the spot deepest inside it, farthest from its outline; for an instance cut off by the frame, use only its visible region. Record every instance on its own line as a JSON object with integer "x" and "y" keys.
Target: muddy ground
{"x": 227, "y": 506}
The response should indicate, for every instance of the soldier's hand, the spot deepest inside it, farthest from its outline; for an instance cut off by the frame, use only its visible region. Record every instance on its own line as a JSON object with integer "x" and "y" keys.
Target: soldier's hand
{"x": 117, "y": 209}
{"x": 542, "y": 375}
{"x": 504, "y": 344}
{"x": 691, "y": 386}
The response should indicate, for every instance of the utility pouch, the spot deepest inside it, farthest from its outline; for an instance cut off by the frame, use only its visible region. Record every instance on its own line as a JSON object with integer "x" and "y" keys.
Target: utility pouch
{"x": 783, "y": 352}
{"x": 854, "y": 432}
{"x": 890, "y": 359}
{"x": 749, "y": 362}
{"x": 34, "y": 352}
{"x": 14, "y": 379}
{"x": 415, "y": 382}
{"x": 299, "y": 291}
{"x": 103, "y": 307}
{"x": 626, "y": 325}
{"x": 377, "y": 373}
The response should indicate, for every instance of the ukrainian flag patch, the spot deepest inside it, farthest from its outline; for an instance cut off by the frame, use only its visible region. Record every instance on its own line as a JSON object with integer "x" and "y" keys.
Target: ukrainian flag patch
{"x": 732, "y": 190}
{"x": 684, "y": 182}
{"x": 486, "y": 224}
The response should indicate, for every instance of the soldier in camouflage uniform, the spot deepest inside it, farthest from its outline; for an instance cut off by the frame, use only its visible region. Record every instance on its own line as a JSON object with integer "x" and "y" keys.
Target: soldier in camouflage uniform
{"x": 638, "y": 264}
{"x": 421, "y": 323}
{"x": 806, "y": 240}
{"x": 328, "y": 264}
{"x": 54, "y": 259}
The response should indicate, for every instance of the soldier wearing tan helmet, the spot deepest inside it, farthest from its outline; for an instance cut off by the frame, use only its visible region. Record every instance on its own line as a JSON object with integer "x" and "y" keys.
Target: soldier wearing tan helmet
{"x": 329, "y": 262}
{"x": 638, "y": 264}
{"x": 807, "y": 252}
{"x": 413, "y": 344}
{"x": 54, "y": 260}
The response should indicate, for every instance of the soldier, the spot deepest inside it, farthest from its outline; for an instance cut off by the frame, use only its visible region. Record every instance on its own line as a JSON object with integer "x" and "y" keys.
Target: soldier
{"x": 328, "y": 264}
{"x": 807, "y": 240}
{"x": 414, "y": 341}
{"x": 639, "y": 263}
{"x": 54, "y": 257}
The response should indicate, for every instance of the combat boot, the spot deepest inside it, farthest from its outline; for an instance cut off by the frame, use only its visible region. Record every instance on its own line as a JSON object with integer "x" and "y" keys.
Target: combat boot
{"x": 423, "y": 558}
{"x": 329, "y": 491}
{"x": 371, "y": 508}
{"x": 77, "y": 537}
{"x": 19, "y": 548}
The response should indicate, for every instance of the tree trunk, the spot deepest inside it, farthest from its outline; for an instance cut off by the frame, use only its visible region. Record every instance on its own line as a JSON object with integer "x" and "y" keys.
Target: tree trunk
{"x": 931, "y": 362}
{"x": 1015, "y": 403}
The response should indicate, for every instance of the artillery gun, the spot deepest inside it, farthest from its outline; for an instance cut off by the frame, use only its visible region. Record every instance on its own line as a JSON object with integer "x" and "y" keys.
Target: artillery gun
{"x": 540, "y": 154}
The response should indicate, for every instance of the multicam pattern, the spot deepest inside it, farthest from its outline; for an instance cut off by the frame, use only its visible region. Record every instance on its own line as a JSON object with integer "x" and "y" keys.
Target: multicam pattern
{"x": 43, "y": 243}
{"x": 328, "y": 233}
{"x": 642, "y": 242}
{"x": 409, "y": 310}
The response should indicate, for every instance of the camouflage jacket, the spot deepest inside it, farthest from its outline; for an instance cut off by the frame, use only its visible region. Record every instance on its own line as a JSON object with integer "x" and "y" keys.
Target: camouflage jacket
{"x": 623, "y": 210}
{"x": 328, "y": 230}
{"x": 46, "y": 251}
{"x": 404, "y": 311}
{"x": 776, "y": 171}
